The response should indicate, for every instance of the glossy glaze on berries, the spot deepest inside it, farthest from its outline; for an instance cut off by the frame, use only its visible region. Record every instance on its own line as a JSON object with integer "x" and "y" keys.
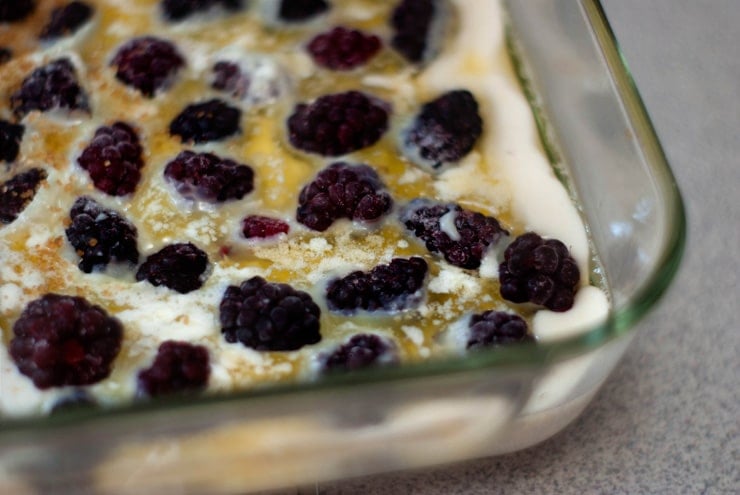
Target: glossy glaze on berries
{"x": 211, "y": 120}
{"x": 180, "y": 267}
{"x": 208, "y": 177}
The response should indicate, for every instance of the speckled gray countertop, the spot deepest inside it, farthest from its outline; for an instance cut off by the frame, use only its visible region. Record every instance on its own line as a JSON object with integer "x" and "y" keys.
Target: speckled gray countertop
{"x": 667, "y": 421}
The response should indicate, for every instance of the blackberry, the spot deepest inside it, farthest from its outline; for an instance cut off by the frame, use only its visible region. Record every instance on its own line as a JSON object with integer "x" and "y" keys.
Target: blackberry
{"x": 338, "y": 124}
{"x": 100, "y": 235}
{"x": 393, "y": 287}
{"x": 301, "y": 10}
{"x": 6, "y": 55}
{"x": 495, "y": 328}
{"x": 412, "y": 24}
{"x": 148, "y": 64}
{"x": 64, "y": 340}
{"x": 445, "y": 130}
{"x": 343, "y": 190}
{"x": 180, "y": 267}
{"x": 255, "y": 226}
{"x": 10, "y": 140}
{"x": 16, "y": 10}
{"x": 460, "y": 235}
{"x": 16, "y": 193}
{"x": 211, "y": 120}
{"x": 51, "y": 86}
{"x": 179, "y": 367}
{"x": 113, "y": 159}
{"x": 361, "y": 351}
{"x": 256, "y": 80}
{"x": 268, "y": 316}
{"x": 343, "y": 49}
{"x": 208, "y": 177}
{"x": 539, "y": 271}
{"x": 177, "y": 10}
{"x": 66, "y": 20}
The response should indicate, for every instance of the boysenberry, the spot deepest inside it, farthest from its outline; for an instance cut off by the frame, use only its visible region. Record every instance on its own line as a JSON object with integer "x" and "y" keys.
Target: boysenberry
{"x": 343, "y": 48}
{"x": 540, "y": 271}
{"x": 445, "y": 130}
{"x": 393, "y": 287}
{"x": 64, "y": 340}
{"x": 180, "y": 267}
{"x": 49, "y": 87}
{"x": 495, "y": 328}
{"x": 208, "y": 177}
{"x": 359, "y": 352}
{"x": 463, "y": 237}
{"x": 100, "y": 235}
{"x": 10, "y": 140}
{"x": 268, "y": 316}
{"x": 114, "y": 159}
{"x": 148, "y": 64}
{"x": 343, "y": 190}
{"x": 301, "y": 10}
{"x": 177, "y": 10}
{"x": 18, "y": 192}
{"x": 179, "y": 367}
{"x": 338, "y": 124}
{"x": 212, "y": 120}
{"x": 16, "y": 10}
{"x": 66, "y": 20}
{"x": 412, "y": 22}
{"x": 255, "y": 226}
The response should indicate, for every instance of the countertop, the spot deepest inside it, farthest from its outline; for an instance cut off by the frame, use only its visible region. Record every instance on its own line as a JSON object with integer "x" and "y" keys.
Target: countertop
{"x": 667, "y": 419}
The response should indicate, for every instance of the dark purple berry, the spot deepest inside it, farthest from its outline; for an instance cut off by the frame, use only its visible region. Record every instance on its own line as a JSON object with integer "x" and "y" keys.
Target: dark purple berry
{"x": 255, "y": 226}
{"x": 18, "y": 192}
{"x": 66, "y": 20}
{"x": 177, "y": 10}
{"x": 343, "y": 49}
{"x": 148, "y": 64}
{"x": 495, "y": 328}
{"x": 338, "y": 124}
{"x": 179, "y": 367}
{"x": 229, "y": 78}
{"x": 445, "y": 130}
{"x": 16, "y": 10}
{"x": 393, "y": 287}
{"x": 412, "y": 25}
{"x": 64, "y": 340}
{"x": 301, "y": 10}
{"x": 100, "y": 235}
{"x": 5, "y": 55}
{"x": 255, "y": 79}
{"x": 343, "y": 190}
{"x": 539, "y": 271}
{"x": 208, "y": 177}
{"x": 211, "y": 120}
{"x": 268, "y": 316}
{"x": 463, "y": 237}
{"x": 10, "y": 140}
{"x": 359, "y": 352}
{"x": 49, "y": 87}
{"x": 114, "y": 159}
{"x": 180, "y": 267}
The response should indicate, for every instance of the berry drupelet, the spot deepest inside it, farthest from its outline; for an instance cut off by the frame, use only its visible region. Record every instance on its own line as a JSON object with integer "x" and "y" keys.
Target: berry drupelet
{"x": 268, "y": 316}
{"x": 18, "y": 192}
{"x": 463, "y": 237}
{"x": 64, "y": 340}
{"x": 113, "y": 159}
{"x": 539, "y": 271}
{"x": 211, "y": 120}
{"x": 343, "y": 190}
{"x": 147, "y": 64}
{"x": 496, "y": 328}
{"x": 208, "y": 177}
{"x": 10, "y": 140}
{"x": 179, "y": 367}
{"x": 343, "y": 48}
{"x": 412, "y": 22}
{"x": 16, "y": 10}
{"x": 393, "y": 287}
{"x": 178, "y": 10}
{"x": 359, "y": 352}
{"x": 180, "y": 267}
{"x": 100, "y": 235}
{"x": 338, "y": 124}
{"x": 445, "y": 130}
{"x": 301, "y": 10}
{"x": 66, "y": 20}
{"x": 259, "y": 227}
{"x": 49, "y": 87}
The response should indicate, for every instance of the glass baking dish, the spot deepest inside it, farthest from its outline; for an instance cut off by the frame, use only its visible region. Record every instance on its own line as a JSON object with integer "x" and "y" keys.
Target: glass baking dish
{"x": 600, "y": 141}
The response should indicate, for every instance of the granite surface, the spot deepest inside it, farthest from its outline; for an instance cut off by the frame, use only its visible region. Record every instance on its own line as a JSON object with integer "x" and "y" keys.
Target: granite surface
{"x": 667, "y": 421}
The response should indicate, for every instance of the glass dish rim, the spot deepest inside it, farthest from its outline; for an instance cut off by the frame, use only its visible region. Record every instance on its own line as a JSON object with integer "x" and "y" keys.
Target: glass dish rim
{"x": 621, "y": 321}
